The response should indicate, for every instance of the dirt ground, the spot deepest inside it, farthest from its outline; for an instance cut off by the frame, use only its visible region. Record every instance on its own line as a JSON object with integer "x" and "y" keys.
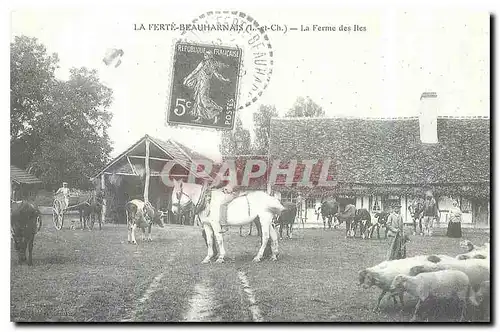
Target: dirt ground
{"x": 96, "y": 276}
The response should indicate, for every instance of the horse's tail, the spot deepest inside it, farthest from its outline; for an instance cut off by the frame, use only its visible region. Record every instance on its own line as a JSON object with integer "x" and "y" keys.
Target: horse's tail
{"x": 275, "y": 206}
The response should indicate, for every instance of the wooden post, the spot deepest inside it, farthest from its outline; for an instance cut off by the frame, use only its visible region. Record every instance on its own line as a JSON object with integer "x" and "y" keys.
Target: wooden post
{"x": 146, "y": 168}
{"x": 104, "y": 203}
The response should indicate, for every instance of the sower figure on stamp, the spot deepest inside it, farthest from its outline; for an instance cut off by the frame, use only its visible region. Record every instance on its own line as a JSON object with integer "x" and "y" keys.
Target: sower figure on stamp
{"x": 199, "y": 80}
{"x": 430, "y": 213}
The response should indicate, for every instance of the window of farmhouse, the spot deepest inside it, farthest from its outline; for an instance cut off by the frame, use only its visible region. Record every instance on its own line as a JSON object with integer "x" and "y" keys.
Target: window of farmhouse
{"x": 375, "y": 203}
{"x": 392, "y": 200}
{"x": 288, "y": 197}
{"x": 310, "y": 203}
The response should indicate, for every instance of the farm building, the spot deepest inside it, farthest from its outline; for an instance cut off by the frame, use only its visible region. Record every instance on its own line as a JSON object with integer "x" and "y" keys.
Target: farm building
{"x": 377, "y": 162}
{"x": 24, "y": 186}
{"x": 137, "y": 173}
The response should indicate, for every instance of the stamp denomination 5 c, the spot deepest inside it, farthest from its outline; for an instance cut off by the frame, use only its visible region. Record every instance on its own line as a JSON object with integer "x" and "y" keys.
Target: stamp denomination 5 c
{"x": 205, "y": 81}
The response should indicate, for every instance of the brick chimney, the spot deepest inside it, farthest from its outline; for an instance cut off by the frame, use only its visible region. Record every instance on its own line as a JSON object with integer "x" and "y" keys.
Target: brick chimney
{"x": 428, "y": 117}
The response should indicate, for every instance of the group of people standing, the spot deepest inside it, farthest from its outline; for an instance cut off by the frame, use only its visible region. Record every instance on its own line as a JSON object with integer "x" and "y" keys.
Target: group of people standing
{"x": 426, "y": 213}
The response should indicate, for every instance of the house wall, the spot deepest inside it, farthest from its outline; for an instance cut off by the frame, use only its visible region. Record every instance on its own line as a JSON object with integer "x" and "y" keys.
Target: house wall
{"x": 477, "y": 215}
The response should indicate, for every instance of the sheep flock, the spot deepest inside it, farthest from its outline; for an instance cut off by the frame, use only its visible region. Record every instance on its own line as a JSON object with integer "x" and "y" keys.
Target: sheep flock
{"x": 433, "y": 278}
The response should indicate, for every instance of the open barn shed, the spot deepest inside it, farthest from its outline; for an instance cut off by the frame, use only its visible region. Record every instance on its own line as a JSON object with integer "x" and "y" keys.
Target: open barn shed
{"x": 137, "y": 174}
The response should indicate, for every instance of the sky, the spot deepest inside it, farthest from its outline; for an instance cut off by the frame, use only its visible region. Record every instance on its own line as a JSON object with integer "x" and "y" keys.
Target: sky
{"x": 380, "y": 72}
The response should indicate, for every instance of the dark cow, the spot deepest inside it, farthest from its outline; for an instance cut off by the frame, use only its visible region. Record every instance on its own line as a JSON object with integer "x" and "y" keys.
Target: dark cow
{"x": 348, "y": 216}
{"x": 90, "y": 211}
{"x": 381, "y": 222}
{"x": 362, "y": 218}
{"x": 328, "y": 210}
{"x": 25, "y": 221}
{"x": 287, "y": 218}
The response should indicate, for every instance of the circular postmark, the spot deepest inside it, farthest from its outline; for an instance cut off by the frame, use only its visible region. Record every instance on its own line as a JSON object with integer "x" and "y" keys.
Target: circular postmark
{"x": 235, "y": 28}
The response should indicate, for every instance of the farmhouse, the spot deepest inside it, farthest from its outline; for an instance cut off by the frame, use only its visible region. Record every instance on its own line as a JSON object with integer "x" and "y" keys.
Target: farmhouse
{"x": 137, "y": 174}
{"x": 377, "y": 162}
{"x": 24, "y": 185}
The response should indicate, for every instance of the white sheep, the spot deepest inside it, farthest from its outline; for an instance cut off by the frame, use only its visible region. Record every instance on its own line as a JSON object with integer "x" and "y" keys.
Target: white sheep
{"x": 479, "y": 252}
{"x": 477, "y": 270}
{"x": 382, "y": 275}
{"x": 445, "y": 284}
{"x": 481, "y": 297}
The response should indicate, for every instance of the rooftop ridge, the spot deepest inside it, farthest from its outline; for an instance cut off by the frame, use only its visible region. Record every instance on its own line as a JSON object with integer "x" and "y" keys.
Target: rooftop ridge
{"x": 380, "y": 118}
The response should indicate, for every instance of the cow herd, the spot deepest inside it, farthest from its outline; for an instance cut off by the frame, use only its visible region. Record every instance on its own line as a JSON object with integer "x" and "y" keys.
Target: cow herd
{"x": 354, "y": 218}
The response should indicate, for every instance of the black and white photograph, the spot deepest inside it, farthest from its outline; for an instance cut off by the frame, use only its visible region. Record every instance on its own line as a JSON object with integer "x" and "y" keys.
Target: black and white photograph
{"x": 235, "y": 163}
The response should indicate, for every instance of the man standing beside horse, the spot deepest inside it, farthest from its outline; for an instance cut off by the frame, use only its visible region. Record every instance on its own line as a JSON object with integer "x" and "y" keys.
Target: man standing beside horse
{"x": 430, "y": 213}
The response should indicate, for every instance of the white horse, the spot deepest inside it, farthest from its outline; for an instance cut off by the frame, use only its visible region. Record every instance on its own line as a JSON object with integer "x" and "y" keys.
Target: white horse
{"x": 243, "y": 210}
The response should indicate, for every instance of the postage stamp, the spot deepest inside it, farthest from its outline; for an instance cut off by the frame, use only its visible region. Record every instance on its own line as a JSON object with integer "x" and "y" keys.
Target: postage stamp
{"x": 205, "y": 83}
{"x": 242, "y": 30}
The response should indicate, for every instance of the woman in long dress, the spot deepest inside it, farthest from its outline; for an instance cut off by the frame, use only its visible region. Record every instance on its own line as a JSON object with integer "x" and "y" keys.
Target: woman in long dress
{"x": 199, "y": 80}
{"x": 455, "y": 222}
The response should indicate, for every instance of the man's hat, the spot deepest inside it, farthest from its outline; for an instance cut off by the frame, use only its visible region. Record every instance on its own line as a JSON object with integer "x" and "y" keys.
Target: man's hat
{"x": 428, "y": 193}
{"x": 396, "y": 205}
{"x": 65, "y": 182}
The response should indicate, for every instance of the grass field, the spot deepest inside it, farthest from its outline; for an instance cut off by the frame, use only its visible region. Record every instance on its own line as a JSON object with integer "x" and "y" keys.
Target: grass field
{"x": 96, "y": 276}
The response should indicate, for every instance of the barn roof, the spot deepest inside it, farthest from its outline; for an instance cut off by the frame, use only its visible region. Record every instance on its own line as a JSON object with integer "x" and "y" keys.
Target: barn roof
{"x": 240, "y": 161}
{"x": 131, "y": 161}
{"x": 387, "y": 151}
{"x": 21, "y": 176}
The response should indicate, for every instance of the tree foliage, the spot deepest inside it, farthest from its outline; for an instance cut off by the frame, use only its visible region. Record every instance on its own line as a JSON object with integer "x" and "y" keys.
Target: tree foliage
{"x": 305, "y": 107}
{"x": 262, "y": 127}
{"x": 58, "y": 128}
{"x": 236, "y": 142}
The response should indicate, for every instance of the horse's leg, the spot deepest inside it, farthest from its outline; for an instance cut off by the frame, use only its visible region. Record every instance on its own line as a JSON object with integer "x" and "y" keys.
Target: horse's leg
{"x": 129, "y": 233}
{"x": 324, "y": 222}
{"x": 134, "y": 226}
{"x": 265, "y": 221}
{"x": 209, "y": 233}
{"x": 241, "y": 230}
{"x": 220, "y": 242}
{"x": 149, "y": 233}
{"x": 274, "y": 243}
{"x": 251, "y": 226}
{"x": 80, "y": 214}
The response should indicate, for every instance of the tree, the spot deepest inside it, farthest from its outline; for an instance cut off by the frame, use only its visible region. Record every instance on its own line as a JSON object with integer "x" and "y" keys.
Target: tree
{"x": 305, "y": 107}
{"x": 262, "y": 127}
{"x": 58, "y": 128}
{"x": 236, "y": 142}
{"x": 31, "y": 78}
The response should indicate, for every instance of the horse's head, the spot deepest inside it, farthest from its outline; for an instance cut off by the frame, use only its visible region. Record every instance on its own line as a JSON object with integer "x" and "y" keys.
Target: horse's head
{"x": 179, "y": 197}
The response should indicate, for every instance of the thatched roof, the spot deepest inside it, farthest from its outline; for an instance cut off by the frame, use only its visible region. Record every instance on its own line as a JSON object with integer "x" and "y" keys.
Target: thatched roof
{"x": 388, "y": 152}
